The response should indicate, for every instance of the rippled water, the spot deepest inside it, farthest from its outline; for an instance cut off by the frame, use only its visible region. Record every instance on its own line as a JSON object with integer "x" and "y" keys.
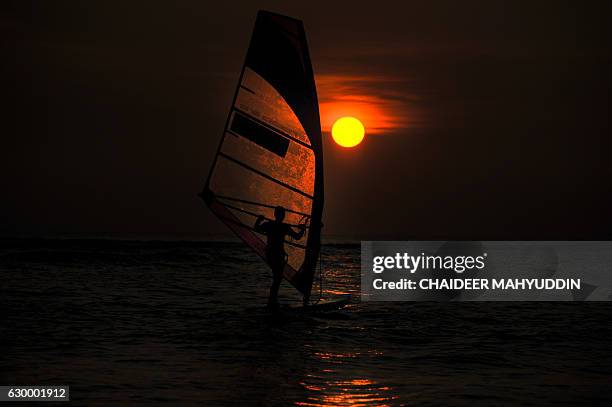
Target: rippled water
{"x": 183, "y": 323}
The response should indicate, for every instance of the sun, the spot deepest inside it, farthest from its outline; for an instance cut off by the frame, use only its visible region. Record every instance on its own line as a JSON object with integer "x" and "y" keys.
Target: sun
{"x": 348, "y": 131}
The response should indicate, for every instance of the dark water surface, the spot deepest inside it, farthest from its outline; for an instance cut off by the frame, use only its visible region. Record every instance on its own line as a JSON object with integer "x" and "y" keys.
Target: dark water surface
{"x": 183, "y": 323}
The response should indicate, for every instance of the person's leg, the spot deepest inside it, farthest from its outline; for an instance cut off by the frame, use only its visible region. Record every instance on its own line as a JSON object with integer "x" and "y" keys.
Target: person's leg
{"x": 278, "y": 276}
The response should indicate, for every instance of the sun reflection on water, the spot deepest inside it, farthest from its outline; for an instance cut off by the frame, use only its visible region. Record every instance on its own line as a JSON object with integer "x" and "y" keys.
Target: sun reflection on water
{"x": 329, "y": 389}
{"x": 353, "y": 392}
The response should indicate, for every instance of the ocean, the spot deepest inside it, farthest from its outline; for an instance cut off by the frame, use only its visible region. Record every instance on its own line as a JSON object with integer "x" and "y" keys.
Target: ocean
{"x": 183, "y": 323}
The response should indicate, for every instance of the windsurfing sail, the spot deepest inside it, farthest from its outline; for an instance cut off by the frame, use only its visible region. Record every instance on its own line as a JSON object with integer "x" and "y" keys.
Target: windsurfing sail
{"x": 270, "y": 152}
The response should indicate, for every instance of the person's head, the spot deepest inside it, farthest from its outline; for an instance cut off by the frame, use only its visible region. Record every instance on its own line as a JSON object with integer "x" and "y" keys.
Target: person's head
{"x": 279, "y": 213}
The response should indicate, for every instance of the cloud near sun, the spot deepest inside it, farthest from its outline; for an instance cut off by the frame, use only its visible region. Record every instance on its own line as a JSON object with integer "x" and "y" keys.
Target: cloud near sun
{"x": 373, "y": 100}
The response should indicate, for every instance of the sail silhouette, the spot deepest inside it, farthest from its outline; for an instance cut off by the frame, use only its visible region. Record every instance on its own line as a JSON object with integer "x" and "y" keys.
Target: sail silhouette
{"x": 270, "y": 152}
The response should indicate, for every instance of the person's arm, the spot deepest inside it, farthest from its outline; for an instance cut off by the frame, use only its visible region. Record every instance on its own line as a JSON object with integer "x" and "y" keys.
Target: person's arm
{"x": 258, "y": 224}
{"x": 297, "y": 235}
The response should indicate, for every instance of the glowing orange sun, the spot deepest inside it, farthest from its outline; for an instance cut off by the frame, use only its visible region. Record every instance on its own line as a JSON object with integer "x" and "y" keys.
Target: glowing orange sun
{"x": 348, "y": 131}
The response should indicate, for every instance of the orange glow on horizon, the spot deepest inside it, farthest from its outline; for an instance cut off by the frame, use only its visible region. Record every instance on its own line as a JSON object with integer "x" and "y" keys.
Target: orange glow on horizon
{"x": 370, "y": 99}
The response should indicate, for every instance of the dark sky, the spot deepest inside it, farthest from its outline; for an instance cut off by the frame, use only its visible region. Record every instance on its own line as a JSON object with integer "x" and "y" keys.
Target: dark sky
{"x": 112, "y": 112}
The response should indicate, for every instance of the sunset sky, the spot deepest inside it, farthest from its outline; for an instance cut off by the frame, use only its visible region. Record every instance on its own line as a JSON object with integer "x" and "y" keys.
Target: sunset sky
{"x": 483, "y": 119}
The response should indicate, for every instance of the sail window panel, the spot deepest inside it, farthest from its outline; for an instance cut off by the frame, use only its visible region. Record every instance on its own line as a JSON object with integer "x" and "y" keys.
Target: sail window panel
{"x": 259, "y": 99}
{"x": 261, "y": 135}
{"x": 296, "y": 168}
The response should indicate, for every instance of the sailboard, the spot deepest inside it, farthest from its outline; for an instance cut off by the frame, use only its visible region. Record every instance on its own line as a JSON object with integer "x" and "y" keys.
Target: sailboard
{"x": 270, "y": 153}
{"x": 324, "y": 305}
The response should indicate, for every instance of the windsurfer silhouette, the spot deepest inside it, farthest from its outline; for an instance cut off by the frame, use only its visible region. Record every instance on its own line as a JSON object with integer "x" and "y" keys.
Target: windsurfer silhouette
{"x": 275, "y": 231}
